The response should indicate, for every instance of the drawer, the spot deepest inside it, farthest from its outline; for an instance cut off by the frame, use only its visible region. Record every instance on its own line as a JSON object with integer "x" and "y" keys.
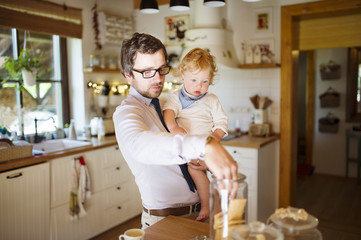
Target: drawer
{"x": 245, "y": 158}
{"x": 117, "y": 214}
{"x": 115, "y": 175}
{"x": 115, "y": 194}
{"x": 113, "y": 157}
{"x": 239, "y": 152}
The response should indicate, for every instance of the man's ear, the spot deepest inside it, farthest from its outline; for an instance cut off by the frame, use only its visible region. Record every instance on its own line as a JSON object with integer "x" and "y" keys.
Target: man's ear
{"x": 128, "y": 77}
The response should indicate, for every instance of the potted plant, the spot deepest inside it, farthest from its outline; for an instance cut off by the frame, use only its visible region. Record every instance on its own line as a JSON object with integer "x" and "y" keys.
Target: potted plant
{"x": 24, "y": 68}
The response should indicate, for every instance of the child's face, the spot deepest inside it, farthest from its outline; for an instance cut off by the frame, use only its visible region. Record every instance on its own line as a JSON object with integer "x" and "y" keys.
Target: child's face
{"x": 196, "y": 83}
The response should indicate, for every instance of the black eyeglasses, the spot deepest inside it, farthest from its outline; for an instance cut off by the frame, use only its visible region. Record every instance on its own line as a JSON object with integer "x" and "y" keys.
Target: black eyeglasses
{"x": 151, "y": 72}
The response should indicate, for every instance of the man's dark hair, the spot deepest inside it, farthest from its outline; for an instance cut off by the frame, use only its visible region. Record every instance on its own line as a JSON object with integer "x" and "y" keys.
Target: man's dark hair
{"x": 142, "y": 43}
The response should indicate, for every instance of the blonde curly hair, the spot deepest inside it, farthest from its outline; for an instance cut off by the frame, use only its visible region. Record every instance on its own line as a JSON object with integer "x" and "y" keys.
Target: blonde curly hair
{"x": 197, "y": 59}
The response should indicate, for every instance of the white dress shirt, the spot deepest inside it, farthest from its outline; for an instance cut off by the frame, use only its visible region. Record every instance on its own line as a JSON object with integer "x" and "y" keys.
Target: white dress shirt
{"x": 153, "y": 154}
{"x": 203, "y": 116}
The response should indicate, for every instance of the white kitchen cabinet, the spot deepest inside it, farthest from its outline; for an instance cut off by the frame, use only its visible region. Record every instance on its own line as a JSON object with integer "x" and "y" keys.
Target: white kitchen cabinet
{"x": 260, "y": 166}
{"x": 115, "y": 197}
{"x": 24, "y": 203}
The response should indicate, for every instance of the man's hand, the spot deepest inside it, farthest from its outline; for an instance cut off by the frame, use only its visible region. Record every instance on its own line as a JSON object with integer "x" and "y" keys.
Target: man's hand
{"x": 219, "y": 161}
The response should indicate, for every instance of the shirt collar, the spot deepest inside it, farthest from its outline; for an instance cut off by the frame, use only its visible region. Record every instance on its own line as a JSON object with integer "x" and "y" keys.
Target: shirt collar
{"x": 140, "y": 97}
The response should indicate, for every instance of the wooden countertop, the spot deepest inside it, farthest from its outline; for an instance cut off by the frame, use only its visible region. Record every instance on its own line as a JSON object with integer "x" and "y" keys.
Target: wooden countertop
{"x": 243, "y": 141}
{"x": 176, "y": 228}
{"x": 23, "y": 162}
{"x": 250, "y": 142}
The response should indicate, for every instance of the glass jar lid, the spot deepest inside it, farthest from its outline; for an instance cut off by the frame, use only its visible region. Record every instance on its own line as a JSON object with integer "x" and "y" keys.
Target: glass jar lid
{"x": 293, "y": 219}
{"x": 256, "y": 231}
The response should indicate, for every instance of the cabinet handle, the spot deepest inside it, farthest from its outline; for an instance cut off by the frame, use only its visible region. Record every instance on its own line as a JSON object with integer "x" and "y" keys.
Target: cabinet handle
{"x": 117, "y": 148}
{"x": 118, "y": 168}
{"x": 15, "y": 175}
{"x": 118, "y": 188}
{"x": 119, "y": 207}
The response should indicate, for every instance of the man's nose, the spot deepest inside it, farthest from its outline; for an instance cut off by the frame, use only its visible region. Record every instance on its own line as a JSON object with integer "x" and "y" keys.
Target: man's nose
{"x": 158, "y": 77}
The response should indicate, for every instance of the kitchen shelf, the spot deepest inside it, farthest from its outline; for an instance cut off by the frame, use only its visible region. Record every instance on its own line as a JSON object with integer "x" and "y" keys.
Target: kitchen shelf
{"x": 260, "y": 65}
{"x": 99, "y": 70}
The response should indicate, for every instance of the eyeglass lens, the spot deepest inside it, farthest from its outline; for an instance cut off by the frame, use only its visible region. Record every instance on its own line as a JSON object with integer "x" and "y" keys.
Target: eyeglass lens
{"x": 151, "y": 73}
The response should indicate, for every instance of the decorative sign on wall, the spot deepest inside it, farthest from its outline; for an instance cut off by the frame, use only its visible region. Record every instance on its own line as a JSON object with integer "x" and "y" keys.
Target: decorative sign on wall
{"x": 175, "y": 28}
{"x": 263, "y": 21}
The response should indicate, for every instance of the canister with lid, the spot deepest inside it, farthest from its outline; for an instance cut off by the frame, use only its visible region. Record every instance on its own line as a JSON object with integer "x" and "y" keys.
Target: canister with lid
{"x": 295, "y": 224}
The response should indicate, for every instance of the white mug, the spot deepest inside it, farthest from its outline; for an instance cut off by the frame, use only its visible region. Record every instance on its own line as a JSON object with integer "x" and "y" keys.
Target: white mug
{"x": 133, "y": 234}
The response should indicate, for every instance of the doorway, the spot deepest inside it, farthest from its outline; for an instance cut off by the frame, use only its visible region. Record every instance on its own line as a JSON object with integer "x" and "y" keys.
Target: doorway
{"x": 305, "y": 27}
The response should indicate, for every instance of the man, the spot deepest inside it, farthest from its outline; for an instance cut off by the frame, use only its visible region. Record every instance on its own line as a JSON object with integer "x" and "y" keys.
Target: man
{"x": 152, "y": 153}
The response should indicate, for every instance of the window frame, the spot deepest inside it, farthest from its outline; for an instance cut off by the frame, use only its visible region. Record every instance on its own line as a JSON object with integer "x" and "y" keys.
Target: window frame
{"x": 64, "y": 78}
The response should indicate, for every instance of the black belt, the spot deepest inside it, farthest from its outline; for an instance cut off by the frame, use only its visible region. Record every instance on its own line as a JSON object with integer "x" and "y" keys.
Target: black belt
{"x": 175, "y": 211}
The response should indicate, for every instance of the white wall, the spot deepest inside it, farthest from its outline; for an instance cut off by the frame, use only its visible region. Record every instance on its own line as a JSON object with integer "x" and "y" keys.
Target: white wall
{"x": 329, "y": 148}
{"x": 235, "y": 86}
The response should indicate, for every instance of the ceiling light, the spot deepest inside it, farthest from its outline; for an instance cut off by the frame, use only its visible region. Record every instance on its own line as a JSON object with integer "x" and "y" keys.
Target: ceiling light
{"x": 149, "y": 6}
{"x": 179, "y": 5}
{"x": 214, "y": 3}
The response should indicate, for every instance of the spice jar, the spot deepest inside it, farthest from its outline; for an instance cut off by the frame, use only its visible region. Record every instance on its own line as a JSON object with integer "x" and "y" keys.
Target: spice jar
{"x": 228, "y": 206}
{"x": 295, "y": 224}
{"x": 256, "y": 231}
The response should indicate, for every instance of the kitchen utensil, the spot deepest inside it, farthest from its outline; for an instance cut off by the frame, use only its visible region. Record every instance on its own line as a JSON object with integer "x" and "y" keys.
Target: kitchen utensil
{"x": 254, "y": 99}
{"x": 267, "y": 103}
{"x": 261, "y": 103}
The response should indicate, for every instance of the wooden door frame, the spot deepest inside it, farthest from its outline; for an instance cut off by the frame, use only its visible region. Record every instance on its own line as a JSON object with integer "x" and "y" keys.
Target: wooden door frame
{"x": 290, "y": 19}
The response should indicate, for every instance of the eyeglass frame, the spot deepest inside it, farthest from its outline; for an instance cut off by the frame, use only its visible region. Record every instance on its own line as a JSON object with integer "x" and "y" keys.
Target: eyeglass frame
{"x": 156, "y": 70}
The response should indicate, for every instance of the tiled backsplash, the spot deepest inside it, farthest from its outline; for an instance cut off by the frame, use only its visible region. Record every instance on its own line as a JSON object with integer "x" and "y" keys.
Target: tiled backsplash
{"x": 234, "y": 87}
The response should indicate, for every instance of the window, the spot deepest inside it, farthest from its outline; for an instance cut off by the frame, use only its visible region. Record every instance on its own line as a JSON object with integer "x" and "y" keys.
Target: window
{"x": 39, "y": 108}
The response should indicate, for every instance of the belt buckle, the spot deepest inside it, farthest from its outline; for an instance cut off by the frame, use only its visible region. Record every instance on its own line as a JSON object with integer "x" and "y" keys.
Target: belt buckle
{"x": 198, "y": 204}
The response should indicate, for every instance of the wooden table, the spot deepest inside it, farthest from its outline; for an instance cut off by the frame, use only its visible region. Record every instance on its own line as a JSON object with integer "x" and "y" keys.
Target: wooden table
{"x": 176, "y": 228}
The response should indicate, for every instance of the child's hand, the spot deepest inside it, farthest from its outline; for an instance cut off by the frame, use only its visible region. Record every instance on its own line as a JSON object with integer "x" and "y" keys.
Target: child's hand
{"x": 178, "y": 130}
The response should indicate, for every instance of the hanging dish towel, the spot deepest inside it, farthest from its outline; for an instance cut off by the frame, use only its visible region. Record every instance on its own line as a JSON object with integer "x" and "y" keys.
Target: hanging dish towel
{"x": 81, "y": 188}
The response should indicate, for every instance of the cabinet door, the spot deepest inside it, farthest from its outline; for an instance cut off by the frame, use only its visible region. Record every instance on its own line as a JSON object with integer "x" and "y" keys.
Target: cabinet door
{"x": 63, "y": 227}
{"x": 61, "y": 170}
{"x": 24, "y": 203}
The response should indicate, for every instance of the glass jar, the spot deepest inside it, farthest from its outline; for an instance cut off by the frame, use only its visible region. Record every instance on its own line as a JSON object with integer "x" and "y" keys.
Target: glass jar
{"x": 295, "y": 224}
{"x": 228, "y": 206}
{"x": 256, "y": 231}
{"x": 93, "y": 61}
